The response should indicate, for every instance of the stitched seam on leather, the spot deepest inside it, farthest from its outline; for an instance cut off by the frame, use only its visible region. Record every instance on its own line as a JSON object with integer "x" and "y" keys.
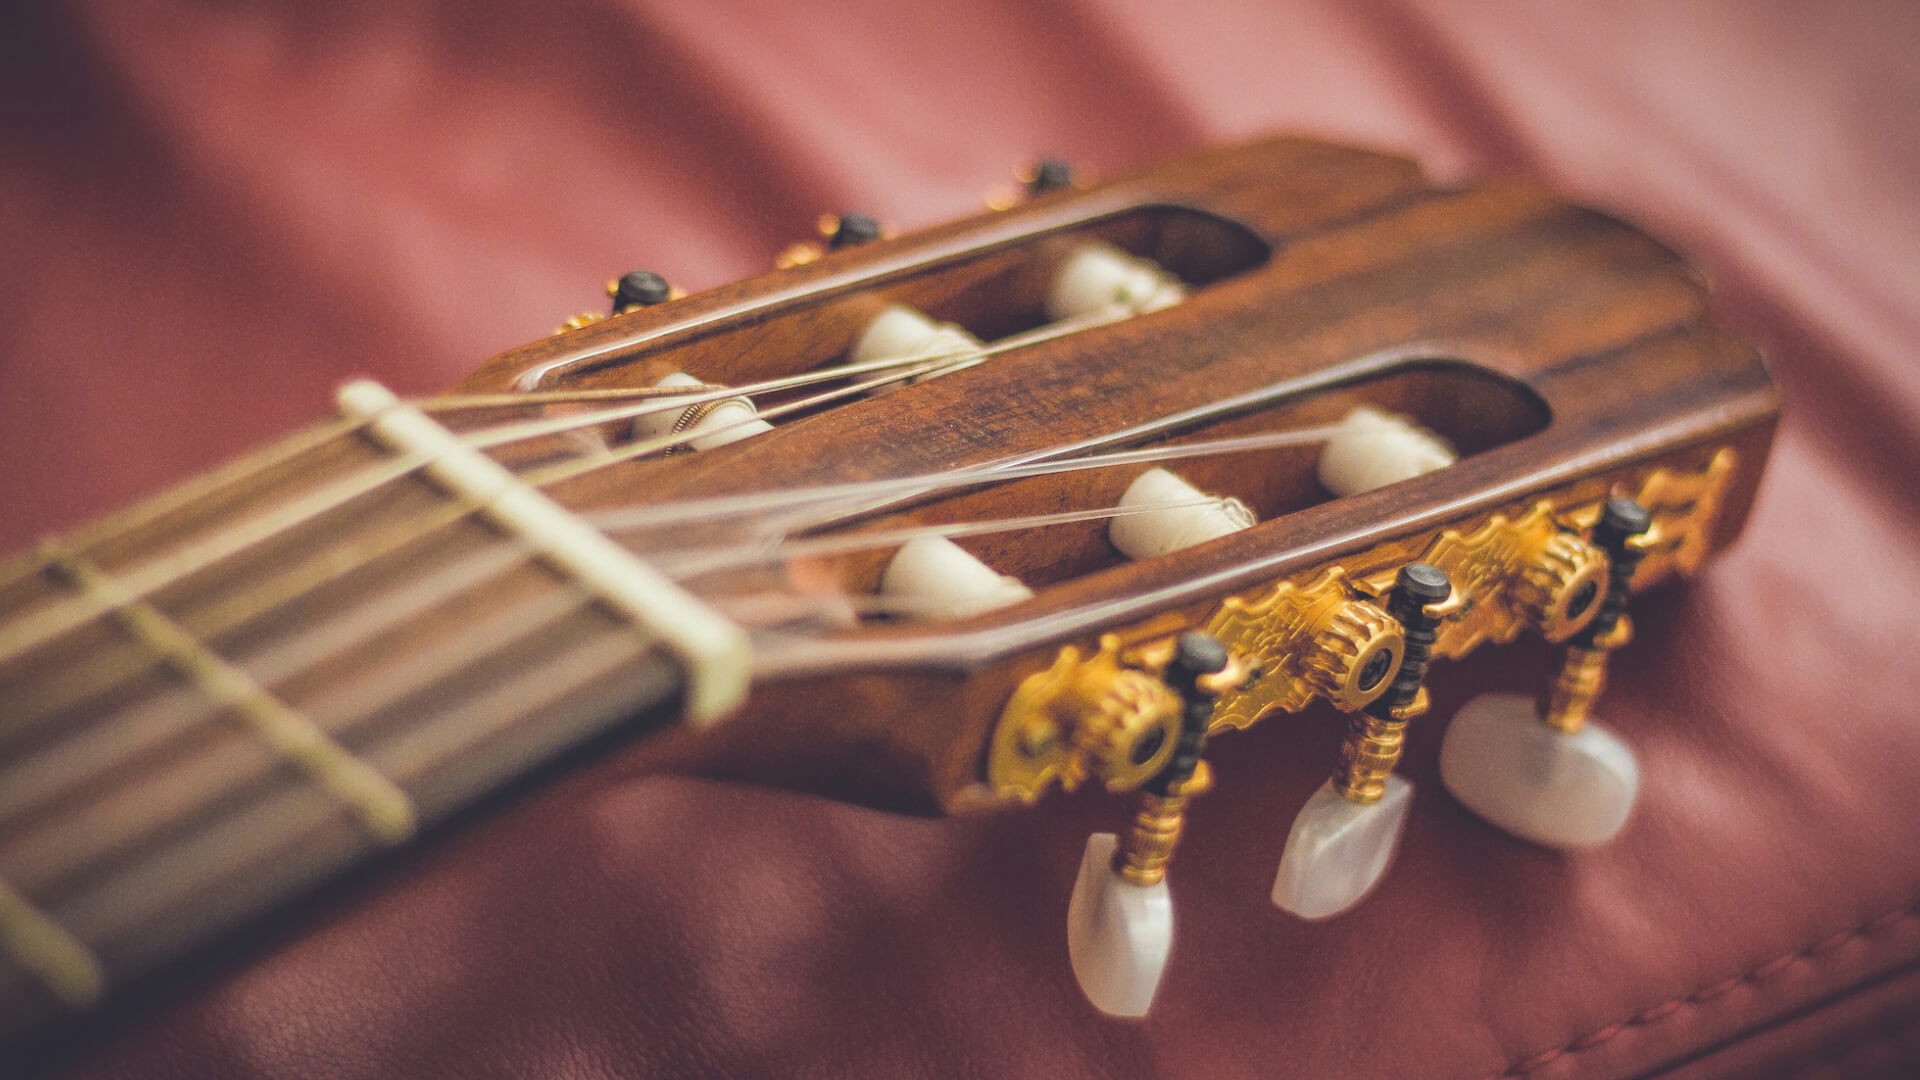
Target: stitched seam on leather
{"x": 1651, "y": 1016}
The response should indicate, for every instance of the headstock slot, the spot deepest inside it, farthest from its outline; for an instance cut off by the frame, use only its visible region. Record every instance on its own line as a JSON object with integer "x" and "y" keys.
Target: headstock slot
{"x": 1473, "y": 408}
{"x": 993, "y": 290}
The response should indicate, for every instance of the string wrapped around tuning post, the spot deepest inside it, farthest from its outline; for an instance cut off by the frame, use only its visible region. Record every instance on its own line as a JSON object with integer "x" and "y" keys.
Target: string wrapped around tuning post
{"x": 726, "y": 420}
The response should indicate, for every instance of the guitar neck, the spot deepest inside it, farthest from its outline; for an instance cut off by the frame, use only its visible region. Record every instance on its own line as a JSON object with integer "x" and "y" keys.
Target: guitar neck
{"x": 220, "y": 699}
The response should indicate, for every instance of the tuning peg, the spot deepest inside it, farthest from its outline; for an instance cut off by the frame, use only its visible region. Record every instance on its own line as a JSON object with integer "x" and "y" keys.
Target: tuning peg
{"x": 851, "y": 230}
{"x": 1344, "y": 838}
{"x": 1120, "y": 919}
{"x": 638, "y": 289}
{"x": 1540, "y": 769}
{"x": 1048, "y": 174}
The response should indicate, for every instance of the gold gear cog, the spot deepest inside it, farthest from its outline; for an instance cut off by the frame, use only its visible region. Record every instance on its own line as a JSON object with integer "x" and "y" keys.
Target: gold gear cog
{"x": 1559, "y": 591}
{"x": 1354, "y": 655}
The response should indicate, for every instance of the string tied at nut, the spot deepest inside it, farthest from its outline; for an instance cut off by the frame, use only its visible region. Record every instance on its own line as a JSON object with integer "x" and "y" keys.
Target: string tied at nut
{"x": 1160, "y": 810}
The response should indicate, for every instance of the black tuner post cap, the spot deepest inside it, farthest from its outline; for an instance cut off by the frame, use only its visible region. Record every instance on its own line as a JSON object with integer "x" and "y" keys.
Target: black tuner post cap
{"x": 1620, "y": 521}
{"x": 1417, "y": 585}
{"x": 1199, "y": 654}
{"x": 1049, "y": 174}
{"x": 1423, "y": 583}
{"x": 1195, "y": 656}
{"x": 853, "y": 229}
{"x": 642, "y": 288}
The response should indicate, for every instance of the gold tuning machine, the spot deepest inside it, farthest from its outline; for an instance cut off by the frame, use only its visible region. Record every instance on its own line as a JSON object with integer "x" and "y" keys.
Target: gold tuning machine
{"x": 1323, "y": 639}
{"x": 1193, "y": 675}
{"x": 1541, "y": 769}
{"x": 1421, "y": 598}
{"x": 1343, "y": 839}
{"x": 1349, "y": 657}
{"x": 1120, "y": 918}
{"x": 1086, "y": 716}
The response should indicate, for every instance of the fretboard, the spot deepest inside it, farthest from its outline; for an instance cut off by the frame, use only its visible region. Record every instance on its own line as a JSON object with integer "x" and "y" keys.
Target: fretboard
{"x": 213, "y": 702}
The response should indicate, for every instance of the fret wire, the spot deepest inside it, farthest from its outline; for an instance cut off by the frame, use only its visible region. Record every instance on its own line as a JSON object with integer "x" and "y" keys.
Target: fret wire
{"x": 53, "y": 955}
{"x": 382, "y": 807}
{"x": 156, "y": 791}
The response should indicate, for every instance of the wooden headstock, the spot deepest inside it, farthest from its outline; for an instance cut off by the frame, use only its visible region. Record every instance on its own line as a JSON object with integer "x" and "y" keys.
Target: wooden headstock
{"x": 1566, "y": 355}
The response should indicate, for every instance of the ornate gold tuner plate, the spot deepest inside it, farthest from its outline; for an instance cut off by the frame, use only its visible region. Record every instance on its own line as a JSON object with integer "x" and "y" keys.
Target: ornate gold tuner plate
{"x": 1324, "y": 635}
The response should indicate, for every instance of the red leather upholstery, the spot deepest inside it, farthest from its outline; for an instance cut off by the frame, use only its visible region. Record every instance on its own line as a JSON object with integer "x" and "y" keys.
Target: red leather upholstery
{"x": 214, "y": 213}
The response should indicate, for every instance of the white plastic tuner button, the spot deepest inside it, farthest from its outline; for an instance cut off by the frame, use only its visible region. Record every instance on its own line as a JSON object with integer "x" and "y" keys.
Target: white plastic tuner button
{"x": 899, "y": 332}
{"x": 1118, "y": 933}
{"x": 939, "y": 579}
{"x": 1554, "y": 789}
{"x": 1100, "y": 279}
{"x": 1190, "y": 516}
{"x": 1372, "y": 449}
{"x": 1339, "y": 849}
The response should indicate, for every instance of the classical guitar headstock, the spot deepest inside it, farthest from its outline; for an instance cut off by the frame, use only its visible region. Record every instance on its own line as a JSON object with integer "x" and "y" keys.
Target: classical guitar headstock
{"x": 1285, "y": 395}
{"x": 1068, "y": 493}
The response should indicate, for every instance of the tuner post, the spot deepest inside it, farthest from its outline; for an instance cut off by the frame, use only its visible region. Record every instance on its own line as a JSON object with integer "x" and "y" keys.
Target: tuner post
{"x": 1195, "y": 674}
{"x": 1621, "y": 535}
{"x": 836, "y": 233}
{"x": 1421, "y": 598}
{"x": 638, "y": 289}
{"x": 1047, "y": 175}
{"x": 851, "y": 229}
